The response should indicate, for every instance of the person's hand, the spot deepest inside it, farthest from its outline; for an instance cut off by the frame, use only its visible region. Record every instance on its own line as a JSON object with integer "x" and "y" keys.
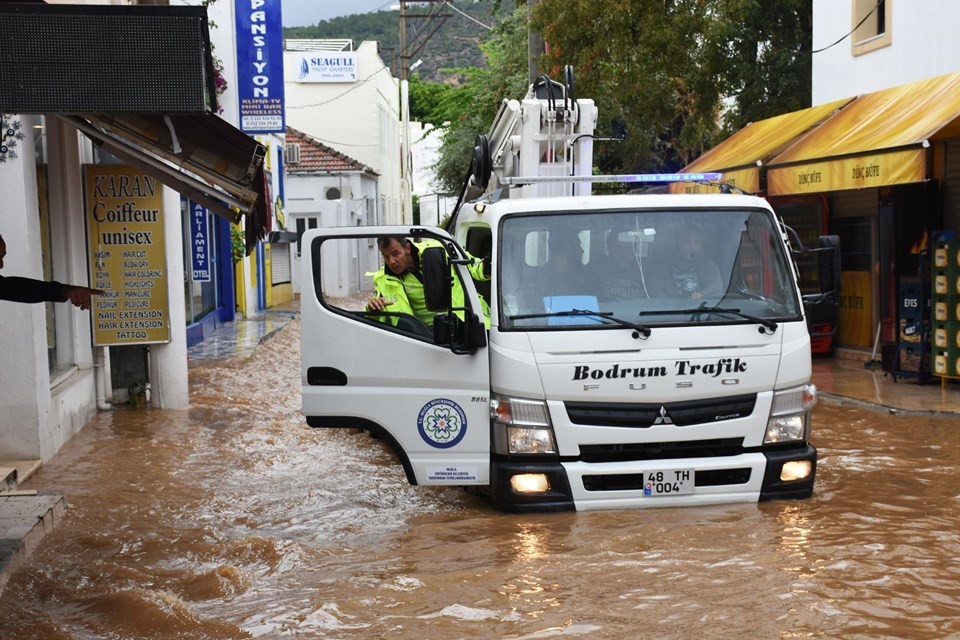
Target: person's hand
{"x": 80, "y": 296}
{"x": 378, "y": 303}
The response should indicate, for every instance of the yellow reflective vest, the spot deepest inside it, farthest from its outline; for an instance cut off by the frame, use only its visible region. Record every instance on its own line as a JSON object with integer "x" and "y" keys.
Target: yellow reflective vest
{"x": 393, "y": 287}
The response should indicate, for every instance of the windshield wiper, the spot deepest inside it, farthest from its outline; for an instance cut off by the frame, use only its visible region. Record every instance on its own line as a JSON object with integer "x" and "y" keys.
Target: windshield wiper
{"x": 767, "y": 324}
{"x": 639, "y": 329}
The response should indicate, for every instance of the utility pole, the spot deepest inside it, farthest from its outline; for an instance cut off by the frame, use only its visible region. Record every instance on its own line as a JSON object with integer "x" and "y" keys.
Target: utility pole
{"x": 534, "y": 45}
{"x": 404, "y": 54}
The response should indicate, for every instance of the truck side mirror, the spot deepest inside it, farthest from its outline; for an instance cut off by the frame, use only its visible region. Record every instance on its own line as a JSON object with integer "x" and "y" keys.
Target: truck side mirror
{"x": 437, "y": 280}
{"x": 462, "y": 337}
{"x": 828, "y": 255}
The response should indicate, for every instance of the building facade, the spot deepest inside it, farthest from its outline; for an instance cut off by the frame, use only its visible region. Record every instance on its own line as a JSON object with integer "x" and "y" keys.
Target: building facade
{"x": 55, "y": 212}
{"x": 326, "y": 188}
{"x": 348, "y": 100}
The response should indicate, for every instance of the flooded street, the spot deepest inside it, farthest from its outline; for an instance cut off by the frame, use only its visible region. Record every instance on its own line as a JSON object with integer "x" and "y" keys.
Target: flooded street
{"x": 236, "y": 520}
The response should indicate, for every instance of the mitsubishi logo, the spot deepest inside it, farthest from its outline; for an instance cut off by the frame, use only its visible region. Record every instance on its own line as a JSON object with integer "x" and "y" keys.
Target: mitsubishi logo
{"x": 663, "y": 418}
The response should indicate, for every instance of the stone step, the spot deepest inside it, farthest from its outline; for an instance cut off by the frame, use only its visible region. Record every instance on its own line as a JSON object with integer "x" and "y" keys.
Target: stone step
{"x": 24, "y": 520}
{"x": 8, "y": 479}
{"x": 14, "y": 473}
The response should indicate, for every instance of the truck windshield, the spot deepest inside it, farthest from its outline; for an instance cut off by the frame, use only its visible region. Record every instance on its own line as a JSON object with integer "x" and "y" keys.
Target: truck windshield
{"x": 650, "y": 267}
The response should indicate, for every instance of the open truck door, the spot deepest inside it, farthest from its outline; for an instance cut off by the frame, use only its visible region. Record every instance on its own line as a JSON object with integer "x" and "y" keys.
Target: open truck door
{"x": 424, "y": 390}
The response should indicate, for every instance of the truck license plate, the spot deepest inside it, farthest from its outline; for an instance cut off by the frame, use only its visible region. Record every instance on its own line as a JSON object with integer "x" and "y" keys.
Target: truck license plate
{"x": 672, "y": 482}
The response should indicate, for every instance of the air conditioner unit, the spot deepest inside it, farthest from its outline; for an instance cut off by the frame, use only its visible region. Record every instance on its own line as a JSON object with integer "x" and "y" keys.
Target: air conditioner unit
{"x": 291, "y": 153}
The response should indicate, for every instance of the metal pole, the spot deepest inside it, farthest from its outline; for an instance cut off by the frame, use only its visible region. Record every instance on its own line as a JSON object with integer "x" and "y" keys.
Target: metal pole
{"x": 534, "y": 44}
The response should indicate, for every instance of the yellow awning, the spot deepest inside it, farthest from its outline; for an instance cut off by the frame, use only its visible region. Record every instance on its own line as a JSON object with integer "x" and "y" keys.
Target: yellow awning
{"x": 879, "y": 139}
{"x": 740, "y": 156}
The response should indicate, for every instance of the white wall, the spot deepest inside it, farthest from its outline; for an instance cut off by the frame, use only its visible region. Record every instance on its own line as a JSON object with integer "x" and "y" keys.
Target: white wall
{"x": 924, "y": 44}
{"x": 360, "y": 119}
{"x": 425, "y": 145}
{"x": 344, "y": 275}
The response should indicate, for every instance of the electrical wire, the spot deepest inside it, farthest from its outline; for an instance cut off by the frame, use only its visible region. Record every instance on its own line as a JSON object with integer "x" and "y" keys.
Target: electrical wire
{"x": 338, "y": 96}
{"x": 869, "y": 13}
{"x": 468, "y": 17}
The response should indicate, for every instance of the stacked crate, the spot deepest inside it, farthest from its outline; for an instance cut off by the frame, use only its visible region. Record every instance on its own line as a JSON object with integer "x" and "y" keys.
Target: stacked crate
{"x": 945, "y": 283}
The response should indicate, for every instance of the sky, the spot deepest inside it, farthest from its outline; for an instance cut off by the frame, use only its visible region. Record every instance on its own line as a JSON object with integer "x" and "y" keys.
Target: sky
{"x": 301, "y": 13}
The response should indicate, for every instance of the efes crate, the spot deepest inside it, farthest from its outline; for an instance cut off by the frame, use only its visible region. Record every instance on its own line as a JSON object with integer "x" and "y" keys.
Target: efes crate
{"x": 946, "y": 309}
{"x": 946, "y": 336}
{"x": 946, "y": 362}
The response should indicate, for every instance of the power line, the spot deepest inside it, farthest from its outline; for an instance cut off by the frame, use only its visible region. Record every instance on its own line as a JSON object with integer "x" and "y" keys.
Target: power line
{"x": 869, "y": 13}
{"x": 467, "y": 16}
{"x": 337, "y": 97}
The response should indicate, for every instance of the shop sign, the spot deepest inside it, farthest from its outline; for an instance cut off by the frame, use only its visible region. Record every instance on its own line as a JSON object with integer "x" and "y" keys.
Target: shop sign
{"x": 199, "y": 242}
{"x": 260, "y": 66}
{"x": 127, "y": 256}
{"x": 856, "y": 172}
{"x": 326, "y": 66}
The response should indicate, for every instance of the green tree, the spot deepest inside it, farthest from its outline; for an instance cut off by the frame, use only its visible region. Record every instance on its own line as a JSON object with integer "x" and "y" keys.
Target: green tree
{"x": 764, "y": 58}
{"x": 504, "y": 76}
{"x": 677, "y": 71}
{"x": 642, "y": 61}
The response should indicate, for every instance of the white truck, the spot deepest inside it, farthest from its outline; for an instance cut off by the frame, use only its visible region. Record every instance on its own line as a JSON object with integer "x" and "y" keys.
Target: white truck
{"x": 605, "y": 380}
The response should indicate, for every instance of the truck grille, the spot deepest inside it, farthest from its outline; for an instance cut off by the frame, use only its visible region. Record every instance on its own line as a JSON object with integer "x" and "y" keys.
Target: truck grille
{"x": 714, "y": 448}
{"x": 643, "y": 415}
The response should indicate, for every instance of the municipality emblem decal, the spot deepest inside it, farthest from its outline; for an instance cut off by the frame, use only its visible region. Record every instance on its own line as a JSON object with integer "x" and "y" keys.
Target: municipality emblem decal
{"x": 442, "y": 423}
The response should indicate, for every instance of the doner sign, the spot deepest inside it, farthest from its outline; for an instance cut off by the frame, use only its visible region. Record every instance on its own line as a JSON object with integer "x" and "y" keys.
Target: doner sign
{"x": 127, "y": 256}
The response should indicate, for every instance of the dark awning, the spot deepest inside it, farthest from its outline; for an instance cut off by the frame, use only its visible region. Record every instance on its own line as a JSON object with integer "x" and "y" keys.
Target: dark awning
{"x": 200, "y": 155}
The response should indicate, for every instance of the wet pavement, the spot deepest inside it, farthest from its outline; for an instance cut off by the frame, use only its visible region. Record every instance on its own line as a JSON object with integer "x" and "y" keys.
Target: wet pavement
{"x": 27, "y": 516}
{"x": 25, "y": 519}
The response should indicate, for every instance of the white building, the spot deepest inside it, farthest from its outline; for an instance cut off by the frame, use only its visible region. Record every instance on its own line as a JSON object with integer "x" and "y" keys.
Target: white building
{"x": 348, "y": 101}
{"x": 425, "y": 147}
{"x": 54, "y": 380}
{"x": 892, "y": 42}
{"x": 326, "y": 188}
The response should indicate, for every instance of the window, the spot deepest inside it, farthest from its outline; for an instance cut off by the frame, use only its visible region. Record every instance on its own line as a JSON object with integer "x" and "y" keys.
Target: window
{"x": 650, "y": 265}
{"x": 871, "y": 25}
{"x": 302, "y": 225}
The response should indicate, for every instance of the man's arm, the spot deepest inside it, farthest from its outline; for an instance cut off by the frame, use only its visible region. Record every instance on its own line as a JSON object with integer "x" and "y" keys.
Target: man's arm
{"x": 479, "y": 268}
{"x": 16, "y": 289}
{"x": 29, "y": 290}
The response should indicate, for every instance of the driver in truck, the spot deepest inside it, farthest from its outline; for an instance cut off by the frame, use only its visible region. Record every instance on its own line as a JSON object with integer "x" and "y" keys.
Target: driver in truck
{"x": 402, "y": 282}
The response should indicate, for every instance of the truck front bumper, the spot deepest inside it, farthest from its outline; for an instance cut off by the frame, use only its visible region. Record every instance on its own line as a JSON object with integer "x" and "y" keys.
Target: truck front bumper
{"x": 572, "y": 485}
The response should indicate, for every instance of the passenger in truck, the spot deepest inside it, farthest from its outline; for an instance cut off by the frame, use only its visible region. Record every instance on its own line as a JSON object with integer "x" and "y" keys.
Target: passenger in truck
{"x": 622, "y": 273}
{"x": 683, "y": 271}
{"x": 16, "y": 289}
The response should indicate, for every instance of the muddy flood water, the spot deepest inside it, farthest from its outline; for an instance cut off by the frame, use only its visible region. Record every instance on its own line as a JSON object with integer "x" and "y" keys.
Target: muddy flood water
{"x": 235, "y": 520}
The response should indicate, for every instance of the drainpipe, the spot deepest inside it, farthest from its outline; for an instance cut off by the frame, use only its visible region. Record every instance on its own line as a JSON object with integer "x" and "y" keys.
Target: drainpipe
{"x": 103, "y": 380}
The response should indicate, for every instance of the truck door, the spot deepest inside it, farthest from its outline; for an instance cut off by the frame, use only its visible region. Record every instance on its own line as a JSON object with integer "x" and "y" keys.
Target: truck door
{"x": 387, "y": 374}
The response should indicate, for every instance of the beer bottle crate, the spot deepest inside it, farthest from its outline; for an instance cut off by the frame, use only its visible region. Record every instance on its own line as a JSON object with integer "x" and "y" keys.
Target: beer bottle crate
{"x": 945, "y": 283}
{"x": 946, "y": 256}
{"x": 946, "y": 362}
{"x": 946, "y": 335}
{"x": 946, "y": 309}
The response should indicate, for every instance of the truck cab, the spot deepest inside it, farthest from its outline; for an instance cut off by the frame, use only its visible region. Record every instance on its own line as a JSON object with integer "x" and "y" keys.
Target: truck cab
{"x": 616, "y": 379}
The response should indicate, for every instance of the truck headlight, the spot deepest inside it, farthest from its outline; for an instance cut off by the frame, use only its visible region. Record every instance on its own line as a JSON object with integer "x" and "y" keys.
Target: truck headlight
{"x": 790, "y": 414}
{"x": 521, "y": 426}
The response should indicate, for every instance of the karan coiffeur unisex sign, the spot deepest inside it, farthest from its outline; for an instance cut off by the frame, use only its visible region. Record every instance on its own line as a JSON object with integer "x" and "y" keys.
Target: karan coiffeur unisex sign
{"x": 127, "y": 256}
